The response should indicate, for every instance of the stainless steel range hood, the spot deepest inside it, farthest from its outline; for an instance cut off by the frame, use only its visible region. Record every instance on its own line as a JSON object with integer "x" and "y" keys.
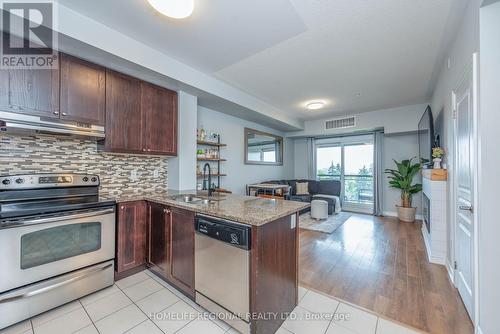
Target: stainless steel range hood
{"x": 18, "y": 123}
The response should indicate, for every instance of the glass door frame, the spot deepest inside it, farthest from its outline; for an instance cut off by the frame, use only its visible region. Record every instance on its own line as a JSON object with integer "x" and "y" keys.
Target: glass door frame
{"x": 342, "y": 142}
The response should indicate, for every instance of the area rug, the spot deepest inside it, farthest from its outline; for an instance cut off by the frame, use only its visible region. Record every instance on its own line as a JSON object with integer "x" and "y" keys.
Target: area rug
{"x": 328, "y": 225}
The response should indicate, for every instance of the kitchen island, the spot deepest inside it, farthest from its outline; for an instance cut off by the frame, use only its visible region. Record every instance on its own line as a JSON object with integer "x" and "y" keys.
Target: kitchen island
{"x": 169, "y": 250}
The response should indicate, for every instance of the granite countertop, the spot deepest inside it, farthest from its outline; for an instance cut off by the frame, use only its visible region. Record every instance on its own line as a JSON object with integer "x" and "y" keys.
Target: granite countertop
{"x": 249, "y": 210}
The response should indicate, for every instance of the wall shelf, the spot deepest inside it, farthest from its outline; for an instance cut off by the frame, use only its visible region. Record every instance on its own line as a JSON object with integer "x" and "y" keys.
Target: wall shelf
{"x": 209, "y": 143}
{"x": 210, "y": 159}
{"x": 216, "y": 146}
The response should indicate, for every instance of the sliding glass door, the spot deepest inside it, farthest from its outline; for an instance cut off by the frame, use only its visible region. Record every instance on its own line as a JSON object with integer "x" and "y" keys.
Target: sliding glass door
{"x": 349, "y": 160}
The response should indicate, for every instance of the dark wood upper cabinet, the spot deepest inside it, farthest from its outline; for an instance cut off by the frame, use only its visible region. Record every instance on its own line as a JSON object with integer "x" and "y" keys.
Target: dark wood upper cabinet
{"x": 182, "y": 250}
{"x": 30, "y": 91}
{"x": 124, "y": 122}
{"x": 159, "y": 239}
{"x": 140, "y": 117}
{"x": 83, "y": 91}
{"x": 159, "y": 108}
{"x": 131, "y": 235}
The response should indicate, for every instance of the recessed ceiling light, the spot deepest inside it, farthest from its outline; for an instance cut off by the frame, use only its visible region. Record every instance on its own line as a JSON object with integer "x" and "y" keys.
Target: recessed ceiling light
{"x": 177, "y": 9}
{"x": 314, "y": 105}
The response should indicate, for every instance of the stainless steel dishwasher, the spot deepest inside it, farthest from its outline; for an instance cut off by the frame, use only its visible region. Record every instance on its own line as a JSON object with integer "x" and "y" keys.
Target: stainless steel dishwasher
{"x": 222, "y": 259}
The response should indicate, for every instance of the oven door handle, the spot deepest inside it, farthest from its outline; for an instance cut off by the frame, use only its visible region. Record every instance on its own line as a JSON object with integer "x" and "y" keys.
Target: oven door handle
{"x": 54, "y": 219}
{"x": 54, "y": 286}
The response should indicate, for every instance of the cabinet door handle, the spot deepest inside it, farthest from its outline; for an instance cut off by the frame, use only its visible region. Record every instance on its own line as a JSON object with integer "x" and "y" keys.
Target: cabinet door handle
{"x": 56, "y": 112}
{"x": 64, "y": 114}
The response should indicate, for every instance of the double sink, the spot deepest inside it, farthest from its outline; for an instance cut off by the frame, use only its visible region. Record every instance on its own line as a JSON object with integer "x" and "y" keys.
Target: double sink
{"x": 193, "y": 199}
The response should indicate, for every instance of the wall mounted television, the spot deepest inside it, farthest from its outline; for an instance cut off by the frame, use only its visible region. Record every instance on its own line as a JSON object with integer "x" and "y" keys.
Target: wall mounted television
{"x": 426, "y": 136}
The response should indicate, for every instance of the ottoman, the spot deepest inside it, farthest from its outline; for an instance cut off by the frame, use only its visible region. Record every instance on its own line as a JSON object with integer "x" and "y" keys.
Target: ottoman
{"x": 319, "y": 209}
{"x": 329, "y": 199}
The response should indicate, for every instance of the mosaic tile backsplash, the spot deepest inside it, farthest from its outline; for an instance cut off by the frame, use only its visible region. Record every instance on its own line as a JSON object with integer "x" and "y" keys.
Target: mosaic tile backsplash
{"x": 56, "y": 154}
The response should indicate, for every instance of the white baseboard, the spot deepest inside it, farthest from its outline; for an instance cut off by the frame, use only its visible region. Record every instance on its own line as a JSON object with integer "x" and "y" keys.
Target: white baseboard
{"x": 451, "y": 272}
{"x": 395, "y": 214}
{"x": 432, "y": 259}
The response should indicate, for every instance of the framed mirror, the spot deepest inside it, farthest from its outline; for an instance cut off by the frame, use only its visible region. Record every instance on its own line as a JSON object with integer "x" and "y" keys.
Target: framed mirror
{"x": 262, "y": 148}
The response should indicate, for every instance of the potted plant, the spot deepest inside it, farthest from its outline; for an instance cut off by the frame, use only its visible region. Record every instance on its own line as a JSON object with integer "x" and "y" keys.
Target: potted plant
{"x": 437, "y": 154}
{"x": 402, "y": 178}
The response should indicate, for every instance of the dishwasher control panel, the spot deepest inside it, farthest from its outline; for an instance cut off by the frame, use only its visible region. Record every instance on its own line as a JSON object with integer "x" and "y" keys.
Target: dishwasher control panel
{"x": 224, "y": 231}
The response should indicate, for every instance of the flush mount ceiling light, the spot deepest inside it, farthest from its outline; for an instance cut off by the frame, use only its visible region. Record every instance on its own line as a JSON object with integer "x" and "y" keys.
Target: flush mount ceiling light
{"x": 177, "y": 9}
{"x": 314, "y": 105}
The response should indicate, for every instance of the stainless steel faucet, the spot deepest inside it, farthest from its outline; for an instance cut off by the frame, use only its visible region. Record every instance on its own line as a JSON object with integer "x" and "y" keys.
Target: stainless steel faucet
{"x": 210, "y": 190}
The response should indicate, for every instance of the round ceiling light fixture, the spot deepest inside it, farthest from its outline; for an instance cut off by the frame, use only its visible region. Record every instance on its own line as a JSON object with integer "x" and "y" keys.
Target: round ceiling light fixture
{"x": 177, "y": 9}
{"x": 315, "y": 105}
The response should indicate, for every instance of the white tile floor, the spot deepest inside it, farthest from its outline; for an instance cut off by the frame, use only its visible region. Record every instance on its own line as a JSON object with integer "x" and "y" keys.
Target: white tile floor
{"x": 126, "y": 308}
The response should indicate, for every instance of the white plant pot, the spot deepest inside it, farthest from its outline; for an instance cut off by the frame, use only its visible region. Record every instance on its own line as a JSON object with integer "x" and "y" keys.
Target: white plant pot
{"x": 437, "y": 163}
{"x": 406, "y": 214}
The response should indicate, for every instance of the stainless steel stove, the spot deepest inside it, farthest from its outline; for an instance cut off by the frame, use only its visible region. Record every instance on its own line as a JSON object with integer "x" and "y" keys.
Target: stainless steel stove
{"x": 57, "y": 242}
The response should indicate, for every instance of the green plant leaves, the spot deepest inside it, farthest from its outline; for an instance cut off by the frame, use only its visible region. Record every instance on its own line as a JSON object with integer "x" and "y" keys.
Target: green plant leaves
{"x": 402, "y": 177}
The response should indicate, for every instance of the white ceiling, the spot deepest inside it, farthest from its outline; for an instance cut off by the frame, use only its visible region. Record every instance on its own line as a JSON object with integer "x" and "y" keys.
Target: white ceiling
{"x": 287, "y": 52}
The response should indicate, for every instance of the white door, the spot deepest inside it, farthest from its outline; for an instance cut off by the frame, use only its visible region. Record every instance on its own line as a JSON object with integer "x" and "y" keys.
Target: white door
{"x": 464, "y": 190}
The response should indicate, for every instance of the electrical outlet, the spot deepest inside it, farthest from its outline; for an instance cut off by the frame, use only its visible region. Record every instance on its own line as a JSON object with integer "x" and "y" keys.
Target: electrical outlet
{"x": 156, "y": 173}
{"x": 133, "y": 175}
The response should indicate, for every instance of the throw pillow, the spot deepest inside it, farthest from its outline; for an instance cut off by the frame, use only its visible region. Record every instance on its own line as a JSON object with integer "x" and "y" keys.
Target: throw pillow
{"x": 302, "y": 188}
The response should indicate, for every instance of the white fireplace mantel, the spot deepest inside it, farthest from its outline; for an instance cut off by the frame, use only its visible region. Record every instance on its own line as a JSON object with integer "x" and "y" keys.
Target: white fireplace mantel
{"x": 436, "y": 241}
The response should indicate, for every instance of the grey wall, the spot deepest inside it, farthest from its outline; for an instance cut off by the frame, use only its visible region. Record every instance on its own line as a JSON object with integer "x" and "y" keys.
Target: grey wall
{"x": 489, "y": 182}
{"x": 393, "y": 120}
{"x": 396, "y": 146}
{"x": 231, "y": 131}
{"x": 301, "y": 163}
{"x": 183, "y": 166}
{"x": 460, "y": 52}
{"x": 399, "y": 147}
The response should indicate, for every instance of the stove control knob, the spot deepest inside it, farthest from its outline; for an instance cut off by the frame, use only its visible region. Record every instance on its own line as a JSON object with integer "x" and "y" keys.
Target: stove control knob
{"x": 85, "y": 179}
{"x": 19, "y": 181}
{"x": 6, "y": 182}
{"x": 93, "y": 179}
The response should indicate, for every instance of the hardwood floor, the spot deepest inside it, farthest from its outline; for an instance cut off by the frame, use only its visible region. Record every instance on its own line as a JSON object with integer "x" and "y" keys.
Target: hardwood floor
{"x": 381, "y": 264}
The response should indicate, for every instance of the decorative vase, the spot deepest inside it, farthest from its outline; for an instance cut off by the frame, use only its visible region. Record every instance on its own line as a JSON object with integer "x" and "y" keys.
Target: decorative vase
{"x": 406, "y": 214}
{"x": 437, "y": 163}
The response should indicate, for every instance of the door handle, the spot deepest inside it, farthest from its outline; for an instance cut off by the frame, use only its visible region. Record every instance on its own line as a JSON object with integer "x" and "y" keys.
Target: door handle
{"x": 466, "y": 208}
{"x": 90, "y": 213}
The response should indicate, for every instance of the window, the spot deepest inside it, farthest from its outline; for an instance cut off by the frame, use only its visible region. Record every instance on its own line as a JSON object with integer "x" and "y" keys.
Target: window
{"x": 328, "y": 162}
{"x": 58, "y": 243}
{"x": 349, "y": 160}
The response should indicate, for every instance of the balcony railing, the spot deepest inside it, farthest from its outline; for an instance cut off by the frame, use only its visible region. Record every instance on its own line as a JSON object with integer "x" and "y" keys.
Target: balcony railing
{"x": 357, "y": 188}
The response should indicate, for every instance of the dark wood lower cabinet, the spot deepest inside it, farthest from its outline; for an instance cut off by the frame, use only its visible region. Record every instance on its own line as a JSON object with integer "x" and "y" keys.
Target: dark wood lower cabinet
{"x": 182, "y": 250}
{"x": 273, "y": 272}
{"x": 171, "y": 245}
{"x": 131, "y": 236}
{"x": 159, "y": 239}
